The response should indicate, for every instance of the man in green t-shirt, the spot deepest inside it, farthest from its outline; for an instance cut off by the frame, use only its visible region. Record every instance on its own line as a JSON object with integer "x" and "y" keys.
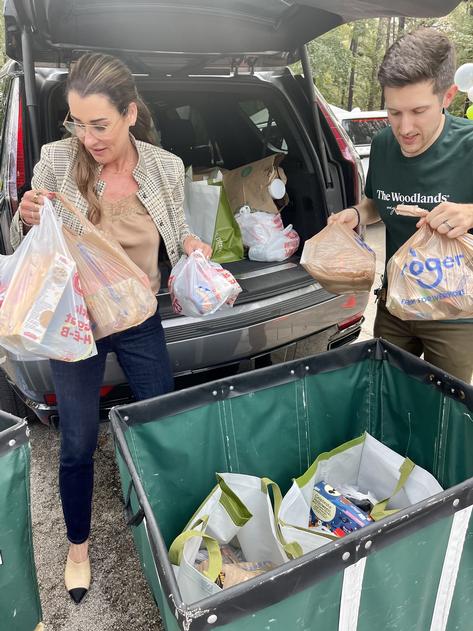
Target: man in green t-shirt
{"x": 424, "y": 158}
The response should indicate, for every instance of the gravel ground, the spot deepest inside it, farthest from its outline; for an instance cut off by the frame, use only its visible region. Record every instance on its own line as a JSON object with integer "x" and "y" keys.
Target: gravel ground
{"x": 119, "y": 596}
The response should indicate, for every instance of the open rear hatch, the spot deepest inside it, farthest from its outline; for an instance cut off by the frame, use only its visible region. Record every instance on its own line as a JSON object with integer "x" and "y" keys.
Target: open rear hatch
{"x": 181, "y": 31}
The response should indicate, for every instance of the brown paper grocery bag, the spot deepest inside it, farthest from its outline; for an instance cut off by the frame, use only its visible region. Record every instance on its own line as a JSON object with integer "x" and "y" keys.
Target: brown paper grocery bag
{"x": 248, "y": 185}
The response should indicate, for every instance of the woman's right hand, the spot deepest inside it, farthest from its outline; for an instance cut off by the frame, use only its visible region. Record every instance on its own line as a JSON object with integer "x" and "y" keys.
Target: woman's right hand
{"x": 349, "y": 217}
{"x": 30, "y": 206}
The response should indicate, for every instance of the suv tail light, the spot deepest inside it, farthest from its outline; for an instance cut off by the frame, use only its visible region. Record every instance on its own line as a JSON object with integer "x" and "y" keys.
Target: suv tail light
{"x": 354, "y": 319}
{"x": 346, "y": 148}
{"x": 20, "y": 151}
{"x": 50, "y": 397}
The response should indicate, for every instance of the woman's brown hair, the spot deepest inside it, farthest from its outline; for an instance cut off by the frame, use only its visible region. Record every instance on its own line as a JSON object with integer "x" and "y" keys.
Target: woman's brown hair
{"x": 97, "y": 73}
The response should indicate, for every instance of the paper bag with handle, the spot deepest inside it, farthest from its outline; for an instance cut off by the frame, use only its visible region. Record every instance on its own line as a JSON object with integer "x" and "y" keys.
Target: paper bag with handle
{"x": 117, "y": 292}
{"x": 257, "y": 185}
{"x": 430, "y": 277}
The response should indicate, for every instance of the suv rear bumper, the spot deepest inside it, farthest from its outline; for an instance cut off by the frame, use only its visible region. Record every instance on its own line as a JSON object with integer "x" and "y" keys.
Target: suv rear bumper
{"x": 305, "y": 331}
{"x": 257, "y": 335}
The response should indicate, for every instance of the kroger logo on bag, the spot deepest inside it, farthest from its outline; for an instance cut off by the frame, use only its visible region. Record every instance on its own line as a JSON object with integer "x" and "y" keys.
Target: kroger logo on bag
{"x": 363, "y": 244}
{"x": 430, "y": 272}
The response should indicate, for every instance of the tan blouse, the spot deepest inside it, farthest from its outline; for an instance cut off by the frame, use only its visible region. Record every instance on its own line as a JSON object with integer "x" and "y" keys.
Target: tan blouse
{"x": 129, "y": 223}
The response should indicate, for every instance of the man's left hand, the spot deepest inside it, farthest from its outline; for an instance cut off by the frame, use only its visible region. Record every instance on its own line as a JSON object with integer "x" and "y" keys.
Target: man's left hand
{"x": 191, "y": 243}
{"x": 450, "y": 219}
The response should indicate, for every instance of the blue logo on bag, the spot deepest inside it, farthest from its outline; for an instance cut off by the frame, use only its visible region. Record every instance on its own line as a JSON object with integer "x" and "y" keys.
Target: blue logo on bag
{"x": 431, "y": 265}
{"x": 363, "y": 243}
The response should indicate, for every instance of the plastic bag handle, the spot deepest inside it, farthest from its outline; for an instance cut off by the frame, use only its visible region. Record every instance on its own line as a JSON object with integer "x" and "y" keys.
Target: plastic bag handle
{"x": 69, "y": 206}
{"x": 213, "y": 548}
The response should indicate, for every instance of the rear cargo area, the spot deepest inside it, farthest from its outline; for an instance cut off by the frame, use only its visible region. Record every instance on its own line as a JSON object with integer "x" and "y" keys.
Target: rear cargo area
{"x": 226, "y": 123}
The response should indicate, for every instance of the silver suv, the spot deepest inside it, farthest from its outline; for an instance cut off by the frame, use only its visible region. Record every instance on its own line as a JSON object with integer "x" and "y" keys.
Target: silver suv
{"x": 218, "y": 98}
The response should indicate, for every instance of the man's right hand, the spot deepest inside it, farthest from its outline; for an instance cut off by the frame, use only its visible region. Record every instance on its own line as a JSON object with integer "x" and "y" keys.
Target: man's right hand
{"x": 349, "y": 217}
{"x": 30, "y": 205}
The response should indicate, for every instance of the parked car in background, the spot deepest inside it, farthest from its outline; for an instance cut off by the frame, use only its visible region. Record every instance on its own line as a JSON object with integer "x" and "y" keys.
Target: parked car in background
{"x": 361, "y": 126}
{"x": 214, "y": 105}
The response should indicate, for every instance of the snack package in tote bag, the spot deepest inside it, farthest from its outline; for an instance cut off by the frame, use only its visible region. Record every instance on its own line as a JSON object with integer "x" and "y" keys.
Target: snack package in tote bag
{"x": 362, "y": 468}
{"x": 339, "y": 260}
{"x": 265, "y": 235}
{"x": 43, "y": 312}
{"x": 430, "y": 277}
{"x": 117, "y": 292}
{"x": 199, "y": 287}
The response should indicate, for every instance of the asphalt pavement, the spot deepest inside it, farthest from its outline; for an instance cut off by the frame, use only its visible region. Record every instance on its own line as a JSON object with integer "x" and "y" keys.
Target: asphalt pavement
{"x": 119, "y": 598}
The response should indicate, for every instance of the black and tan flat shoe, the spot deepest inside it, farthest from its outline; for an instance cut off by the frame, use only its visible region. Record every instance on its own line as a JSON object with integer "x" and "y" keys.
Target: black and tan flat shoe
{"x": 77, "y": 578}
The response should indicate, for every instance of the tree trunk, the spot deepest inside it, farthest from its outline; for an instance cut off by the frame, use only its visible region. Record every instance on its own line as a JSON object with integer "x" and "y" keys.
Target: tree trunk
{"x": 354, "y": 52}
{"x": 387, "y": 44}
{"x": 374, "y": 67}
{"x": 401, "y": 26}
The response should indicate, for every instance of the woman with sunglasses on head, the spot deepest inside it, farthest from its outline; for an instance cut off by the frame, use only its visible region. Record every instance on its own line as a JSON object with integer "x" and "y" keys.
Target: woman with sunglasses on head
{"x": 111, "y": 171}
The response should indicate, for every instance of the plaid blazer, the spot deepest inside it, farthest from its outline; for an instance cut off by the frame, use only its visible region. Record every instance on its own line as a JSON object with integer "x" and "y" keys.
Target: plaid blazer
{"x": 159, "y": 174}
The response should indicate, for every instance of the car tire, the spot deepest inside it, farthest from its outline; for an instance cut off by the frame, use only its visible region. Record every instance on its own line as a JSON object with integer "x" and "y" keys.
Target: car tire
{"x": 10, "y": 401}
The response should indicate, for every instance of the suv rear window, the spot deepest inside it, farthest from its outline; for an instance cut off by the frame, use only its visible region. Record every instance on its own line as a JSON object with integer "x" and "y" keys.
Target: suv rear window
{"x": 265, "y": 122}
{"x": 362, "y": 130}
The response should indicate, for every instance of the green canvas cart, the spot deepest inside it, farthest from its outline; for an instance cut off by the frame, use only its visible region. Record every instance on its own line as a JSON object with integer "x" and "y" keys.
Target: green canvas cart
{"x": 20, "y": 607}
{"x": 412, "y": 571}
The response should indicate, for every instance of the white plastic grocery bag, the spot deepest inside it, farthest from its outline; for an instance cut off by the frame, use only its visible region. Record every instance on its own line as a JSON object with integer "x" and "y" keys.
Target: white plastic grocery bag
{"x": 42, "y": 308}
{"x": 364, "y": 465}
{"x": 430, "y": 277}
{"x": 265, "y": 235}
{"x": 200, "y": 287}
{"x": 238, "y": 510}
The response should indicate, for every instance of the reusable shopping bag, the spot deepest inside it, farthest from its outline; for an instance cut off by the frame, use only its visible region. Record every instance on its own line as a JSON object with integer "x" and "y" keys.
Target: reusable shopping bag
{"x": 209, "y": 215}
{"x": 43, "y": 312}
{"x": 360, "y": 468}
{"x": 117, "y": 292}
{"x": 200, "y": 287}
{"x": 265, "y": 235}
{"x": 239, "y": 512}
{"x": 339, "y": 260}
{"x": 430, "y": 277}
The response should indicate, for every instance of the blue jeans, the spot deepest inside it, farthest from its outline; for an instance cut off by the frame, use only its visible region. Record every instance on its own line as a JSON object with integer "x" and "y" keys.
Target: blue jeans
{"x": 142, "y": 354}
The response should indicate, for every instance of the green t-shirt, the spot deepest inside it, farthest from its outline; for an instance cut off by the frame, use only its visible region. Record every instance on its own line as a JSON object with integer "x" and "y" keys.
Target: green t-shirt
{"x": 444, "y": 172}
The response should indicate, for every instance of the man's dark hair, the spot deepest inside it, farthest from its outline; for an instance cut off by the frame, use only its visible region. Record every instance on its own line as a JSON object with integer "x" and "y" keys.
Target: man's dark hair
{"x": 423, "y": 55}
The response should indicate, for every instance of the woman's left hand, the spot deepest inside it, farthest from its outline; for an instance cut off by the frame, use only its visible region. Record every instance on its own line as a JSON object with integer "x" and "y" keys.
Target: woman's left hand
{"x": 192, "y": 243}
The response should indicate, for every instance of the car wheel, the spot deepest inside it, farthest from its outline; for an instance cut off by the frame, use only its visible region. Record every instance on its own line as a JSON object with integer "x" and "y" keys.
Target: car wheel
{"x": 10, "y": 401}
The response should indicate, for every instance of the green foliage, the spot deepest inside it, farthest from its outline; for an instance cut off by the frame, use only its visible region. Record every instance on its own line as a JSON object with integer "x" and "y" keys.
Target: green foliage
{"x": 2, "y": 40}
{"x": 335, "y": 57}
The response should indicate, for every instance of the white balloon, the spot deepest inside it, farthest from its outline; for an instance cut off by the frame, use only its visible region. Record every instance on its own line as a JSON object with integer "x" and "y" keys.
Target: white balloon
{"x": 464, "y": 77}
{"x": 470, "y": 94}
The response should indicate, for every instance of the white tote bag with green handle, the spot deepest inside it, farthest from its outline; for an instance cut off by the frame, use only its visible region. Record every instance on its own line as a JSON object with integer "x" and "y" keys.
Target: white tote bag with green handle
{"x": 364, "y": 464}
